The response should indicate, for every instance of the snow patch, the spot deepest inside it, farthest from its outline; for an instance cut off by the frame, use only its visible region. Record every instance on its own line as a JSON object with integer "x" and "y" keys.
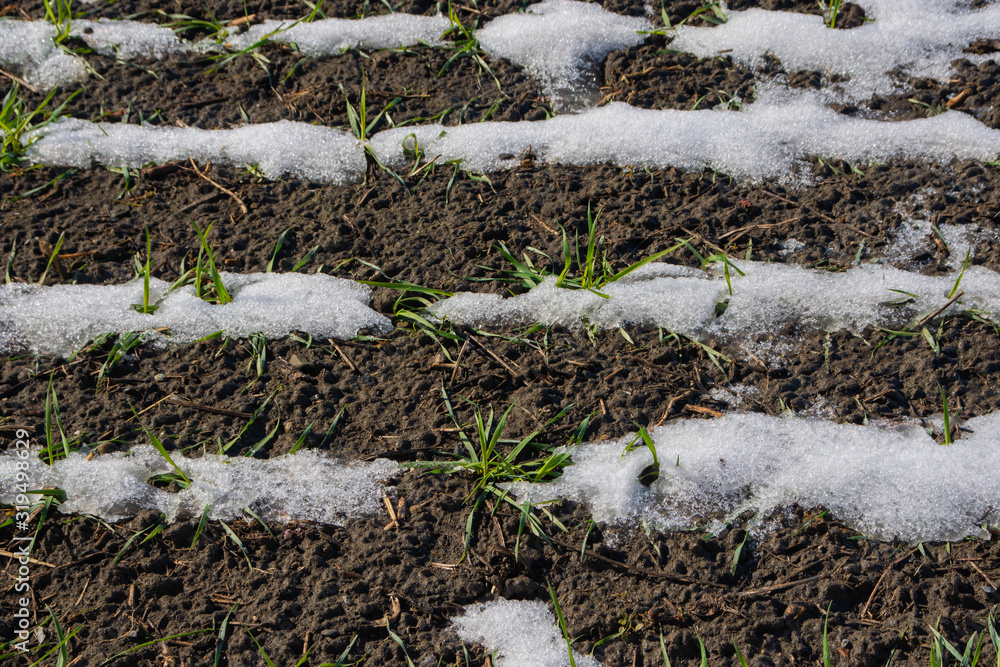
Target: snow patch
{"x": 905, "y": 38}
{"x": 61, "y": 318}
{"x": 764, "y": 300}
{"x": 887, "y": 482}
{"x": 28, "y": 47}
{"x": 333, "y": 36}
{"x": 305, "y": 486}
{"x": 562, "y": 43}
{"x": 521, "y": 633}
{"x": 769, "y": 139}
{"x": 128, "y": 40}
{"x": 277, "y": 149}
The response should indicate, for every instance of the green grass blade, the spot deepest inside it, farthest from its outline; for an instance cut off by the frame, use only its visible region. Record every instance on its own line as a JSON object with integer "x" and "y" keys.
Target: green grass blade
{"x": 965, "y": 265}
{"x": 562, "y": 625}
{"x": 160, "y": 448}
{"x": 643, "y": 262}
{"x": 201, "y": 526}
{"x": 738, "y": 552}
{"x": 263, "y": 653}
{"x": 663, "y": 650}
{"x": 153, "y": 643}
{"x": 826, "y": 643}
{"x": 52, "y": 258}
{"x": 302, "y": 438}
{"x": 396, "y": 638}
{"x": 739, "y": 654}
{"x": 277, "y": 249}
{"x": 238, "y": 541}
{"x": 220, "y": 645}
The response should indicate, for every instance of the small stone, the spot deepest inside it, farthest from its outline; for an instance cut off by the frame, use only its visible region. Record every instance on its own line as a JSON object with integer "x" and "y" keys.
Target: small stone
{"x": 989, "y": 590}
{"x": 329, "y": 633}
{"x": 159, "y": 377}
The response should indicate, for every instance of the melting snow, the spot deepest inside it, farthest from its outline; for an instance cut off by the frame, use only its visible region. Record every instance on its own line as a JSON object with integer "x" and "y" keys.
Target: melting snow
{"x": 767, "y": 139}
{"x": 887, "y": 482}
{"x": 917, "y": 38}
{"x": 62, "y": 318}
{"x": 523, "y": 634}
{"x": 562, "y": 42}
{"x": 302, "y": 486}
{"x": 28, "y": 47}
{"x": 128, "y": 40}
{"x": 277, "y": 149}
{"x": 764, "y": 300}
{"x": 332, "y": 36}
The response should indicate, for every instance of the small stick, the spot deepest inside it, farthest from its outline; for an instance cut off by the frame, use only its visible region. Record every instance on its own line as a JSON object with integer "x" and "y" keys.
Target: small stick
{"x": 539, "y": 221}
{"x": 178, "y": 400}
{"x": 243, "y": 207}
{"x": 196, "y": 204}
{"x": 703, "y": 410}
{"x": 864, "y": 611}
{"x": 458, "y": 361}
{"x": 635, "y": 570}
{"x": 344, "y": 357}
{"x": 30, "y": 560}
{"x": 19, "y": 80}
{"x": 988, "y": 580}
{"x": 941, "y": 309}
{"x": 490, "y": 352}
{"x": 86, "y": 584}
{"x": 392, "y": 514}
{"x": 781, "y": 587}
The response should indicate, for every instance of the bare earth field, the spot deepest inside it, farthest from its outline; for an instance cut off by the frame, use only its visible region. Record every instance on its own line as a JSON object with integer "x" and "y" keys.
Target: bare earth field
{"x": 382, "y": 583}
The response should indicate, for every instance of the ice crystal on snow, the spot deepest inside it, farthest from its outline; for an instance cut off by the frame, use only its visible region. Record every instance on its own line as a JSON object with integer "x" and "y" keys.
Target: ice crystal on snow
{"x": 305, "y": 486}
{"x": 887, "y": 482}
{"x": 522, "y": 633}
{"x": 562, "y": 42}
{"x": 61, "y": 318}
{"x": 277, "y": 149}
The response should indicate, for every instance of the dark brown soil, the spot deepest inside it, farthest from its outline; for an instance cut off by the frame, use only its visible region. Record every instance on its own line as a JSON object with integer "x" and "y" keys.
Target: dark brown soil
{"x": 312, "y": 589}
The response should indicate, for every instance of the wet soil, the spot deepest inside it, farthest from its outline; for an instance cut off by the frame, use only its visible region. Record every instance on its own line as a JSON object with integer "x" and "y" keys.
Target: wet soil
{"x": 314, "y": 589}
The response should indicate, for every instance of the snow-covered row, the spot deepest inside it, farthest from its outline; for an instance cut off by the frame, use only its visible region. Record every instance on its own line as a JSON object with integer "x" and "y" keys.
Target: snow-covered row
{"x": 332, "y": 36}
{"x": 902, "y": 38}
{"x": 886, "y": 481}
{"x": 61, "y": 318}
{"x": 561, "y": 42}
{"x": 305, "y": 486}
{"x": 769, "y": 139}
{"x": 283, "y": 148}
{"x": 521, "y": 633}
{"x": 765, "y": 300}
{"x": 29, "y": 46}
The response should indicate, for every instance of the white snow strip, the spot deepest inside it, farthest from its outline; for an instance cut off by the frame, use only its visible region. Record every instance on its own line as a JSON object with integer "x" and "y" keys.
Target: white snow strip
{"x": 887, "y": 482}
{"x": 284, "y": 148}
{"x": 328, "y": 37}
{"x": 767, "y": 139}
{"x": 562, "y": 42}
{"x": 114, "y": 487}
{"x": 27, "y": 47}
{"x": 917, "y": 38}
{"x": 129, "y": 40}
{"x": 764, "y": 300}
{"x": 522, "y": 633}
{"x": 61, "y": 318}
